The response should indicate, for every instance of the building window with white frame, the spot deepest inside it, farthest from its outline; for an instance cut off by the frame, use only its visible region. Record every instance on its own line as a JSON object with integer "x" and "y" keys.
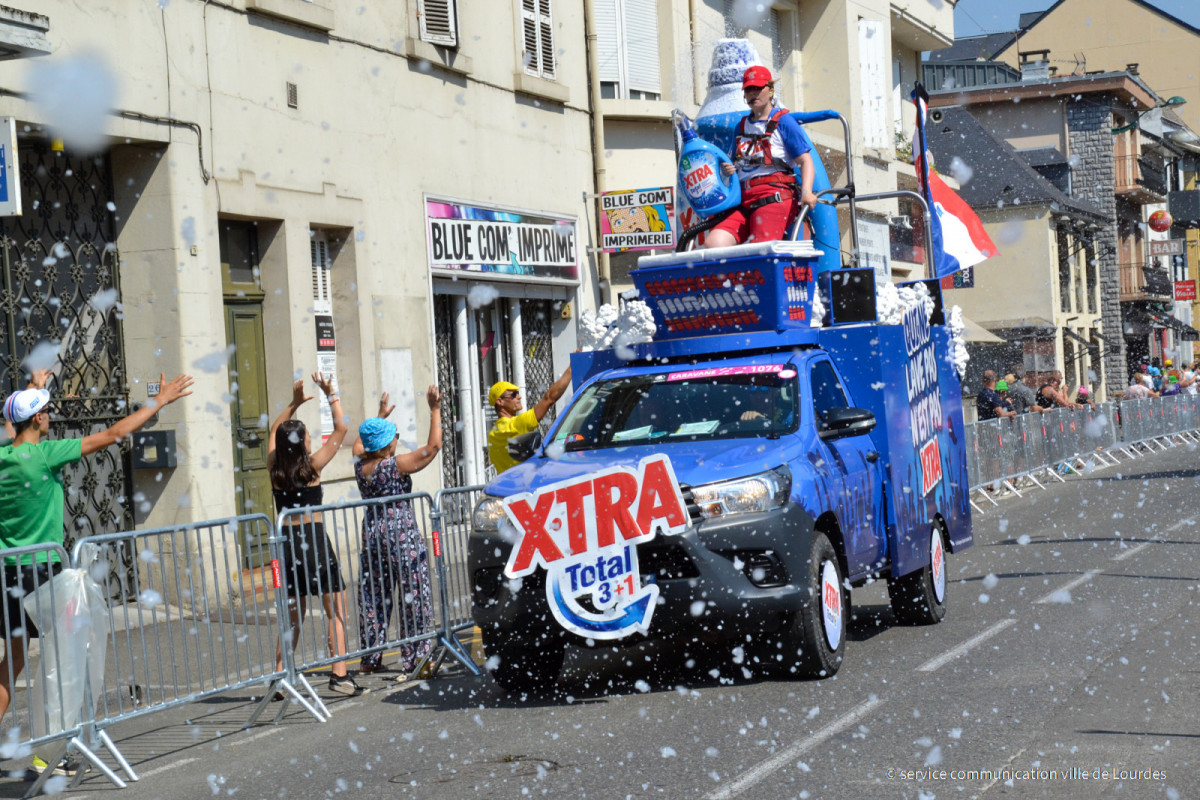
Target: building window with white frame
{"x": 538, "y": 38}
{"x": 438, "y": 22}
{"x": 322, "y": 295}
{"x": 627, "y": 49}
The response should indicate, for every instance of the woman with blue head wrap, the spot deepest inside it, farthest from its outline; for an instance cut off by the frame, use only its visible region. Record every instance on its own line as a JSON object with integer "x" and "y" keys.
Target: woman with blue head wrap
{"x": 393, "y": 550}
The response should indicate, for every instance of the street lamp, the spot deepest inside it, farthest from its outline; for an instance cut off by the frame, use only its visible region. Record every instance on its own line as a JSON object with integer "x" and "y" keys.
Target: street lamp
{"x": 1170, "y": 102}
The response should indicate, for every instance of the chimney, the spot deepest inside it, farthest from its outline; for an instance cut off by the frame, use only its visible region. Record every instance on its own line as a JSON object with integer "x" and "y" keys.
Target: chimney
{"x": 1035, "y": 65}
{"x": 1132, "y": 69}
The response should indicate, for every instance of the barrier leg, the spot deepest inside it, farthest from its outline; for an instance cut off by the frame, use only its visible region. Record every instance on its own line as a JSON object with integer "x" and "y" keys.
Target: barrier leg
{"x": 1053, "y": 473}
{"x": 116, "y": 754}
{"x": 75, "y": 744}
{"x": 1011, "y": 488}
{"x": 987, "y": 495}
{"x": 1033, "y": 478}
{"x": 316, "y": 698}
{"x": 289, "y": 694}
{"x": 450, "y": 645}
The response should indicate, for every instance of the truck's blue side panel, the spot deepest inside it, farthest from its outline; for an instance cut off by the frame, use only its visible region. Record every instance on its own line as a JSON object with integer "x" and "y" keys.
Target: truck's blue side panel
{"x": 874, "y": 361}
{"x": 957, "y": 511}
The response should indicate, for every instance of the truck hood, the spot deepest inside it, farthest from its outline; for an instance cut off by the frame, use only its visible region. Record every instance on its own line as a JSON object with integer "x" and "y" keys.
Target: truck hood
{"x": 694, "y": 464}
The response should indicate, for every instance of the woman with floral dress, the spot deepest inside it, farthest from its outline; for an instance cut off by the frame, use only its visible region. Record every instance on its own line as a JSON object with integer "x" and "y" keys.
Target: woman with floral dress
{"x": 393, "y": 552}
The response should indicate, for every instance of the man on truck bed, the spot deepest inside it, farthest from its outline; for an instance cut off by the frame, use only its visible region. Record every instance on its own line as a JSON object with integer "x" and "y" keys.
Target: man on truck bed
{"x": 768, "y": 147}
{"x": 511, "y": 421}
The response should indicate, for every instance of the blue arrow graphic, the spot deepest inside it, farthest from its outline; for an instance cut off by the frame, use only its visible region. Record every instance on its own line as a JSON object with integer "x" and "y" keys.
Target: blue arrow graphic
{"x": 636, "y": 613}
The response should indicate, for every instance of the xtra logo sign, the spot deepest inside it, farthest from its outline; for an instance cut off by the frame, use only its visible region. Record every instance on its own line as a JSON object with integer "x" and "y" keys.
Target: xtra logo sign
{"x": 584, "y": 533}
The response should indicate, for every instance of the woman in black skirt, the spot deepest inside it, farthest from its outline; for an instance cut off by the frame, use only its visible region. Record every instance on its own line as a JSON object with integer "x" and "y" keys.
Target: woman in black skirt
{"x": 309, "y": 558}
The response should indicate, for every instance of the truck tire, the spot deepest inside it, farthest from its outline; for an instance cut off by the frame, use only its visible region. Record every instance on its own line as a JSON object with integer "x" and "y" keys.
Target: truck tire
{"x": 817, "y": 638}
{"x": 919, "y": 598}
{"x": 524, "y": 662}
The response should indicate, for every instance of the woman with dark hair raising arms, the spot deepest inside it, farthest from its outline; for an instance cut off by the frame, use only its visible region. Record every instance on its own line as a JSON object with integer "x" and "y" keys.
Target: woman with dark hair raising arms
{"x": 309, "y": 559}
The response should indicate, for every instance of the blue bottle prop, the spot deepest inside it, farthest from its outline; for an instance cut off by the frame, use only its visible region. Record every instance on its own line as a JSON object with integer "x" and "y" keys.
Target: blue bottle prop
{"x": 717, "y": 124}
{"x": 708, "y": 190}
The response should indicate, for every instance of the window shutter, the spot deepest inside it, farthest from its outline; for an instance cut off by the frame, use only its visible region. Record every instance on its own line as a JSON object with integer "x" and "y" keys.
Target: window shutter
{"x": 873, "y": 83}
{"x": 538, "y": 38}
{"x": 546, "y": 39}
{"x": 608, "y": 41}
{"x": 641, "y": 45}
{"x": 529, "y": 19}
{"x": 438, "y": 21}
{"x": 322, "y": 294}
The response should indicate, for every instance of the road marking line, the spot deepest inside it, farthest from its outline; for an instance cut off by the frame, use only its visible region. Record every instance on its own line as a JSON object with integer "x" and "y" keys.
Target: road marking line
{"x": 1132, "y": 550}
{"x": 763, "y": 769}
{"x": 1066, "y": 587}
{"x": 950, "y": 655}
{"x": 166, "y": 767}
{"x": 1153, "y": 540}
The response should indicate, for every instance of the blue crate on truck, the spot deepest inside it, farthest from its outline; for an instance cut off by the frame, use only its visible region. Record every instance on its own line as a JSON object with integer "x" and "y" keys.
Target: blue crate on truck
{"x": 754, "y": 287}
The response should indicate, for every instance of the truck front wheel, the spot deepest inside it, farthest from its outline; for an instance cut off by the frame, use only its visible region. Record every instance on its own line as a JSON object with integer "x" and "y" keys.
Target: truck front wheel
{"x": 817, "y": 638}
{"x": 524, "y": 662}
{"x": 919, "y": 598}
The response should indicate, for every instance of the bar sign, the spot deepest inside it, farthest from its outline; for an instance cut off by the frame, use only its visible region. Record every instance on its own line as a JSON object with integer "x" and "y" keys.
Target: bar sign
{"x": 1185, "y": 290}
{"x": 1165, "y": 247}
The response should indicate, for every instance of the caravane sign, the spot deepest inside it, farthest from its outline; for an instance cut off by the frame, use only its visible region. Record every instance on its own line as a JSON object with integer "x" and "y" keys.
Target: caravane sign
{"x": 584, "y": 532}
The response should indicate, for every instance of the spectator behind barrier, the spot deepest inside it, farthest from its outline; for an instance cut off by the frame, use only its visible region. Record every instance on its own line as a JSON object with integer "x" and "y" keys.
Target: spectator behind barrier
{"x": 1137, "y": 388}
{"x": 1020, "y": 395}
{"x": 989, "y": 404}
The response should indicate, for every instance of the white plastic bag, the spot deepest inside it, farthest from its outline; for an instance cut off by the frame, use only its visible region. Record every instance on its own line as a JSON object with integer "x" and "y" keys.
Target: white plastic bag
{"x": 72, "y": 616}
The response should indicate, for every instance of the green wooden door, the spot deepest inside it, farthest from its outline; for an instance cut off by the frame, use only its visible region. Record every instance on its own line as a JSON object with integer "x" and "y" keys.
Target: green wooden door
{"x": 250, "y": 418}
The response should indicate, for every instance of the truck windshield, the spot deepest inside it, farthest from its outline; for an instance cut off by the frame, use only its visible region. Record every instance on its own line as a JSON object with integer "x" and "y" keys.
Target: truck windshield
{"x": 695, "y": 405}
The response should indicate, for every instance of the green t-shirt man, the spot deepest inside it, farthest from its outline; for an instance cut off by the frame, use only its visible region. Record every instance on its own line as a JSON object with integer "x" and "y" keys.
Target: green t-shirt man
{"x": 31, "y": 485}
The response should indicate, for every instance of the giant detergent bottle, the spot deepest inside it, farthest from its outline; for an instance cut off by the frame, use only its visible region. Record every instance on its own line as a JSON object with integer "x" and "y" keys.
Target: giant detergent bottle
{"x": 708, "y": 190}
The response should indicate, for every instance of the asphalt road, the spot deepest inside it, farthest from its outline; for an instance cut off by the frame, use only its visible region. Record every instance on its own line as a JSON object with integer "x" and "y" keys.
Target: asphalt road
{"x": 1065, "y": 668}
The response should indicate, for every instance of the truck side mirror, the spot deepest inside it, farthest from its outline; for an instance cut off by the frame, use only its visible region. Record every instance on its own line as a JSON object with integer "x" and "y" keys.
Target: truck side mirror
{"x": 841, "y": 422}
{"x": 522, "y": 446}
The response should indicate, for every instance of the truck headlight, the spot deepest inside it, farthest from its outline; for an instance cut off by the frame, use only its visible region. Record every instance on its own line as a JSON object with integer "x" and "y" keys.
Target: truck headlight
{"x": 754, "y": 494}
{"x": 487, "y": 514}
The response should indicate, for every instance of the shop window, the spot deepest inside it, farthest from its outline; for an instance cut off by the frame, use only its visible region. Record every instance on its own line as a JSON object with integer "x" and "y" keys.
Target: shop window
{"x": 538, "y": 31}
{"x": 627, "y": 48}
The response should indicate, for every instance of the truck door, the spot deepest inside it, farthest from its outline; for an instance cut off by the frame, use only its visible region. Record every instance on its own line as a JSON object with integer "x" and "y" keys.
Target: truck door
{"x": 860, "y": 504}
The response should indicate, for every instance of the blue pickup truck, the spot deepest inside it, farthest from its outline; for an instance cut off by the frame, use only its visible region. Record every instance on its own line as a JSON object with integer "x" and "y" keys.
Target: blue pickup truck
{"x": 733, "y": 480}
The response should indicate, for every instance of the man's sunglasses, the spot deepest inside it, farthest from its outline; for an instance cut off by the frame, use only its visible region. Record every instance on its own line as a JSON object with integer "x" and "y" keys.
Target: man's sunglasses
{"x": 509, "y": 395}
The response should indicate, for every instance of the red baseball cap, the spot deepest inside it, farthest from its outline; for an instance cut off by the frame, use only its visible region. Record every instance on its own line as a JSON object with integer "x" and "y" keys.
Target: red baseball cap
{"x": 756, "y": 76}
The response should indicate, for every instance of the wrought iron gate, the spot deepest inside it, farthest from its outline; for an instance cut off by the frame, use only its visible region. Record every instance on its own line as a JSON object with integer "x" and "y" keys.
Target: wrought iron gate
{"x": 448, "y": 380}
{"x": 60, "y": 307}
{"x": 539, "y": 353}
{"x": 539, "y": 374}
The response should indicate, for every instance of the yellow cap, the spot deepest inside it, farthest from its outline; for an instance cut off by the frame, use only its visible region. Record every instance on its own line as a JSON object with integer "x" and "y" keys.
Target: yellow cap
{"x": 499, "y": 388}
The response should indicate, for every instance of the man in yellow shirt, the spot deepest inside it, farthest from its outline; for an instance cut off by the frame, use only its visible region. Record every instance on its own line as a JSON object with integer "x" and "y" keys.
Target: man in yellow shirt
{"x": 512, "y": 421}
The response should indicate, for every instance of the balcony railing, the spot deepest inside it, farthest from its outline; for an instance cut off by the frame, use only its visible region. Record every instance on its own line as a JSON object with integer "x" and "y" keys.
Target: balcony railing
{"x": 1140, "y": 282}
{"x": 1138, "y": 180}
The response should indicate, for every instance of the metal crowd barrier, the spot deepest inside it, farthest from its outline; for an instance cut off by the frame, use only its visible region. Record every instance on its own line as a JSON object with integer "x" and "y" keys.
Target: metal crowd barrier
{"x": 191, "y": 623}
{"x": 38, "y": 719}
{"x": 1002, "y": 451}
{"x": 452, "y": 527}
{"x": 412, "y": 583}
